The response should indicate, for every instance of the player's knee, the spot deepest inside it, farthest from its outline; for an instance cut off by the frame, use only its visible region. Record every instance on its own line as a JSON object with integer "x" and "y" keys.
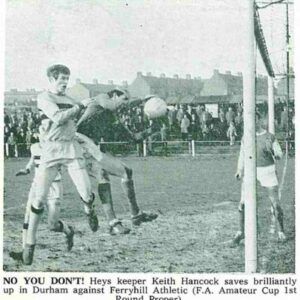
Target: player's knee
{"x": 89, "y": 200}
{"x": 37, "y": 210}
{"x": 53, "y": 204}
{"x": 104, "y": 177}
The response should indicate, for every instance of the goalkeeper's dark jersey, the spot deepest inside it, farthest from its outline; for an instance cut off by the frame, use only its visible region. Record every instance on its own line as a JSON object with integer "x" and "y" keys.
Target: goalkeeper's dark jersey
{"x": 104, "y": 124}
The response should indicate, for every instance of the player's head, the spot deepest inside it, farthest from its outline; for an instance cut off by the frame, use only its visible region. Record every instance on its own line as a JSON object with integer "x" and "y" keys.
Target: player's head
{"x": 58, "y": 76}
{"x": 120, "y": 98}
{"x": 118, "y": 93}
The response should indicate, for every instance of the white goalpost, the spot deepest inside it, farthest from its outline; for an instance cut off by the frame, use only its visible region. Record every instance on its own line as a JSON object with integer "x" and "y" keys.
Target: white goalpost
{"x": 254, "y": 32}
{"x": 250, "y": 145}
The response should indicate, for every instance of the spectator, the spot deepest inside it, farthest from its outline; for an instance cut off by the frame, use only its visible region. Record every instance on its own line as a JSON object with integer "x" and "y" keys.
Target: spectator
{"x": 28, "y": 140}
{"x": 222, "y": 115}
{"x": 194, "y": 127}
{"x": 21, "y": 143}
{"x": 284, "y": 119}
{"x": 7, "y": 131}
{"x": 11, "y": 141}
{"x": 180, "y": 114}
{"x": 239, "y": 124}
{"x": 30, "y": 123}
{"x": 171, "y": 117}
{"x": 189, "y": 113}
{"x": 230, "y": 115}
{"x": 184, "y": 126}
{"x": 6, "y": 119}
{"x": 164, "y": 138}
{"x": 207, "y": 117}
{"x": 231, "y": 133}
{"x": 205, "y": 132}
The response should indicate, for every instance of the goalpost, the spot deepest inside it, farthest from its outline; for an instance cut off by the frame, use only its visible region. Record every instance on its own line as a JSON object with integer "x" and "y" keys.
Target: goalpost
{"x": 250, "y": 145}
{"x": 254, "y": 32}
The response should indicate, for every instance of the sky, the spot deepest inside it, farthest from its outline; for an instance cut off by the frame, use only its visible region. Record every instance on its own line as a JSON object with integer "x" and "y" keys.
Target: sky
{"x": 113, "y": 40}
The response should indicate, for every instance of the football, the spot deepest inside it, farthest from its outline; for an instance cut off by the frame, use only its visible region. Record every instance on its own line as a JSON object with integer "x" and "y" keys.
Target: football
{"x": 155, "y": 107}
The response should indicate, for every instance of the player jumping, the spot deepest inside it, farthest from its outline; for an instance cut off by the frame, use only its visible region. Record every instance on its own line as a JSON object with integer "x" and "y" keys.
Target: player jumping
{"x": 59, "y": 148}
{"x": 267, "y": 151}
{"x": 101, "y": 165}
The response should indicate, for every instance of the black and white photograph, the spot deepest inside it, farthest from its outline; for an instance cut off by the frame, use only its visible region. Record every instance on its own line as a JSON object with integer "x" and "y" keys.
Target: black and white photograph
{"x": 149, "y": 137}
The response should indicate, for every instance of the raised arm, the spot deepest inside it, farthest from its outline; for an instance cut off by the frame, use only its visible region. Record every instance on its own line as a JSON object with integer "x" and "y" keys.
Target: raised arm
{"x": 111, "y": 104}
{"x": 52, "y": 111}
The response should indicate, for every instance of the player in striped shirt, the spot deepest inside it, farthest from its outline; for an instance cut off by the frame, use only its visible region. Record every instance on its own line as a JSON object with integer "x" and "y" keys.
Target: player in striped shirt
{"x": 267, "y": 151}
{"x": 53, "y": 201}
{"x": 59, "y": 148}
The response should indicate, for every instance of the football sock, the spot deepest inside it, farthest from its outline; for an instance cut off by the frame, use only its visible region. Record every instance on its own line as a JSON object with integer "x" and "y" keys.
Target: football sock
{"x": 104, "y": 191}
{"x": 280, "y": 217}
{"x": 24, "y": 234}
{"x": 128, "y": 187}
{"x": 242, "y": 218}
{"x": 34, "y": 219}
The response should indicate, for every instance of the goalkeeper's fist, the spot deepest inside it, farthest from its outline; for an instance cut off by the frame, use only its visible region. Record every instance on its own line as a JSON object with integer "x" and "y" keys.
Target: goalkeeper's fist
{"x": 23, "y": 172}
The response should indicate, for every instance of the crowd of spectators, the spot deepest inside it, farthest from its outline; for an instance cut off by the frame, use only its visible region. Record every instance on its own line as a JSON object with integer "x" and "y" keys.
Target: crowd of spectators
{"x": 20, "y": 130}
{"x": 183, "y": 122}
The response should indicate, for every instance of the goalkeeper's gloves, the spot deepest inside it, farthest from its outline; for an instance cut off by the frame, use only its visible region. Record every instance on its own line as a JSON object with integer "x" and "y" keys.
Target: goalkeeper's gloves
{"x": 23, "y": 172}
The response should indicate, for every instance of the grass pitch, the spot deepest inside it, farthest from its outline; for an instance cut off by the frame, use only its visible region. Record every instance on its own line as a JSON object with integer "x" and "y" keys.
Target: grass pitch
{"x": 196, "y": 199}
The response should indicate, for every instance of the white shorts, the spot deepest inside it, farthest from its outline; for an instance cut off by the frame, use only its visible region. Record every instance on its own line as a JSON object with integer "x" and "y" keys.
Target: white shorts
{"x": 267, "y": 176}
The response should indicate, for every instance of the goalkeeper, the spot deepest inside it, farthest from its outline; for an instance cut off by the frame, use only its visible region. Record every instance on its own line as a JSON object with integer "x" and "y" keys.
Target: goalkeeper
{"x": 100, "y": 122}
{"x": 267, "y": 151}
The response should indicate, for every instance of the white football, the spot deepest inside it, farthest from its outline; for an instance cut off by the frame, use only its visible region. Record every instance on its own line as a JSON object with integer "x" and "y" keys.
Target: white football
{"x": 155, "y": 107}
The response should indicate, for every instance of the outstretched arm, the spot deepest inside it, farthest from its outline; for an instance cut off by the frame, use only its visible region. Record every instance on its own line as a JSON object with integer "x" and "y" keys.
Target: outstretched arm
{"x": 52, "y": 111}
{"x": 101, "y": 102}
{"x": 111, "y": 101}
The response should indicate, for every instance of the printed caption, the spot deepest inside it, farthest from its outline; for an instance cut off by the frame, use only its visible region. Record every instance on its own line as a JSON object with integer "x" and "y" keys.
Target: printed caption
{"x": 150, "y": 288}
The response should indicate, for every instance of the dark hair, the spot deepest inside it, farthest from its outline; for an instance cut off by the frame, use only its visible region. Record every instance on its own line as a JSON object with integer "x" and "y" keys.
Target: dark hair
{"x": 55, "y": 70}
{"x": 119, "y": 93}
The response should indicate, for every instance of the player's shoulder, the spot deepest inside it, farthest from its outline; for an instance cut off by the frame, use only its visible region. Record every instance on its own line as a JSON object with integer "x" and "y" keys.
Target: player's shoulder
{"x": 70, "y": 99}
{"x": 57, "y": 99}
{"x": 44, "y": 95}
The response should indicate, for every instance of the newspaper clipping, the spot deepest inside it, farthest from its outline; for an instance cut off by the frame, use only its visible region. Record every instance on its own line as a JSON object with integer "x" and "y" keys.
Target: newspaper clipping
{"x": 148, "y": 149}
